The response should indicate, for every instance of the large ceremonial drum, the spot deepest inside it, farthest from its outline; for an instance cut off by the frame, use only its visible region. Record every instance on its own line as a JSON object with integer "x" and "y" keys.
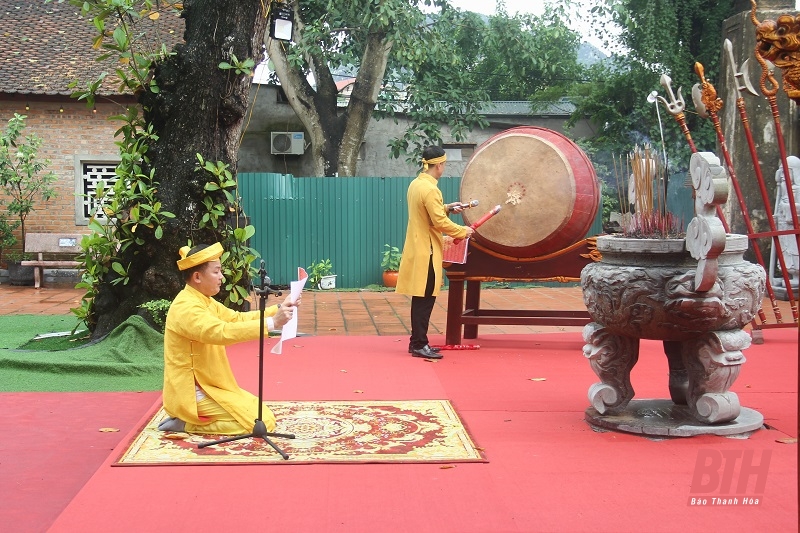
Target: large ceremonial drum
{"x": 546, "y": 186}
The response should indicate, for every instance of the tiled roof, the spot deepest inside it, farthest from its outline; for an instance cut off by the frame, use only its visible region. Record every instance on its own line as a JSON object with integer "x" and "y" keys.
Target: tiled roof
{"x": 342, "y": 84}
{"x": 44, "y": 47}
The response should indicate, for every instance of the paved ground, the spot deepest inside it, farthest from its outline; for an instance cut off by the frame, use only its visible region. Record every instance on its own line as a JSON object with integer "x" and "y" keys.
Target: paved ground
{"x": 362, "y": 312}
{"x": 342, "y": 313}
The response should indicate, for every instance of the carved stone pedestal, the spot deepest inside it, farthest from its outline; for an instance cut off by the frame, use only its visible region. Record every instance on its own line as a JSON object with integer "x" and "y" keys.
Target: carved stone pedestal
{"x": 644, "y": 289}
{"x": 663, "y": 418}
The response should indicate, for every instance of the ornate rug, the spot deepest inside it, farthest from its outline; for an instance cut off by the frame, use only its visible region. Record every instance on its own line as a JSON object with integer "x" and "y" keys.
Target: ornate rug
{"x": 416, "y": 431}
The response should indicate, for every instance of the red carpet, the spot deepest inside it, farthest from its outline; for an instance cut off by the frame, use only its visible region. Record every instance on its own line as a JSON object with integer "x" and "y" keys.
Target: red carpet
{"x": 51, "y": 445}
{"x": 547, "y": 471}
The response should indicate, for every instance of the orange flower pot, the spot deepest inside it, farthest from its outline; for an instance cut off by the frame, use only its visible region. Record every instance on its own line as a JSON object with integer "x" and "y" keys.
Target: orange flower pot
{"x": 390, "y": 278}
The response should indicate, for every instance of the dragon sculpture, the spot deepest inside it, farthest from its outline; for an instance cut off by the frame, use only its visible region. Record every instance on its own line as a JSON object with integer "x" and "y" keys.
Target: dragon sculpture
{"x": 778, "y": 41}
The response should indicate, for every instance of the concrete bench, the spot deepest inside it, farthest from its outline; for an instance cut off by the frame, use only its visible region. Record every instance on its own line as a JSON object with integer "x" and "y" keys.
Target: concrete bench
{"x": 53, "y": 244}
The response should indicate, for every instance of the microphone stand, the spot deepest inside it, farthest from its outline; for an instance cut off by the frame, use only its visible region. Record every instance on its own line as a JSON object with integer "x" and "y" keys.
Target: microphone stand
{"x": 259, "y": 429}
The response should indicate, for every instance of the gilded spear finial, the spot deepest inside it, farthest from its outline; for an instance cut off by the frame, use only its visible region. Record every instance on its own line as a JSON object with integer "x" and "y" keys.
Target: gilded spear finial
{"x": 704, "y": 94}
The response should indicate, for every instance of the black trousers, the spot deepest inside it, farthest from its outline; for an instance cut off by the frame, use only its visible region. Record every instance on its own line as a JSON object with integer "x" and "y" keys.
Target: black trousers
{"x": 421, "y": 309}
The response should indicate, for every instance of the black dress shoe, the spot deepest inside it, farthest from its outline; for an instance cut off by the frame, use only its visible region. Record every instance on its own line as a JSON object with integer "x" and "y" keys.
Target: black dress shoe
{"x": 426, "y": 352}
{"x": 434, "y": 350}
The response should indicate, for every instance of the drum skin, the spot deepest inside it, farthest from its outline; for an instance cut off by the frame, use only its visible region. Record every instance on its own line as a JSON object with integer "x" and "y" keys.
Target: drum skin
{"x": 545, "y": 184}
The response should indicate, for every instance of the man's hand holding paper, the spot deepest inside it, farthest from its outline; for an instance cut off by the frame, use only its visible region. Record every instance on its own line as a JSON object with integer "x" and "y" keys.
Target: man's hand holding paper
{"x": 289, "y": 326}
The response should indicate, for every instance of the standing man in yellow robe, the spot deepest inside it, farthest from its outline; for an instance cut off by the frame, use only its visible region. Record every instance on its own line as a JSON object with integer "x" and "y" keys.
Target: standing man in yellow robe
{"x": 420, "y": 272}
{"x": 201, "y": 394}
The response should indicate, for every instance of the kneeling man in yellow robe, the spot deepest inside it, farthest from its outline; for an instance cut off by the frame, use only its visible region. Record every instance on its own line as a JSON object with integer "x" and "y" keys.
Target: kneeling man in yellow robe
{"x": 200, "y": 392}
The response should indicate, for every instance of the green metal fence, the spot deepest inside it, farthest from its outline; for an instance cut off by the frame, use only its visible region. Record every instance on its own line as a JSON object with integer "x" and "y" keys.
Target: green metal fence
{"x": 679, "y": 198}
{"x": 346, "y": 220}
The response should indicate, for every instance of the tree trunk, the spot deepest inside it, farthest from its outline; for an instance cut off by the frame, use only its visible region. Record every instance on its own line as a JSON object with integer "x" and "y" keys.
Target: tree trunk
{"x": 199, "y": 109}
{"x": 335, "y": 138}
{"x": 365, "y": 93}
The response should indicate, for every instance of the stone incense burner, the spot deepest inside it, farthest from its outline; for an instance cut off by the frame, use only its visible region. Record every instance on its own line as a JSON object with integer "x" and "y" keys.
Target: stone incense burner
{"x": 695, "y": 295}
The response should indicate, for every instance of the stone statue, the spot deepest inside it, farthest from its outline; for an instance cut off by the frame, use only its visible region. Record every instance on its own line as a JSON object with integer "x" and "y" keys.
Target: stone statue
{"x": 783, "y": 217}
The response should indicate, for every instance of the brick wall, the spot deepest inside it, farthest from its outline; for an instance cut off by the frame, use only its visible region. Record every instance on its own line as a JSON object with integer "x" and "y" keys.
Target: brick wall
{"x": 75, "y": 131}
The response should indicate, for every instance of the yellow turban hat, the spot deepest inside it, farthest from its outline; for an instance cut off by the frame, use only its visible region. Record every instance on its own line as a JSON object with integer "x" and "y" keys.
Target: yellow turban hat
{"x": 198, "y": 258}
{"x": 434, "y": 161}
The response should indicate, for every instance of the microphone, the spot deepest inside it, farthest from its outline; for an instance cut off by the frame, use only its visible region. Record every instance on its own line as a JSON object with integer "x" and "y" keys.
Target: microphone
{"x": 262, "y": 273}
{"x": 472, "y": 203}
{"x": 265, "y": 288}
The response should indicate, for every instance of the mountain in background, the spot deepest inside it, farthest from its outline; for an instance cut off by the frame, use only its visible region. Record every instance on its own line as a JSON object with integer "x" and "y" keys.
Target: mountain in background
{"x": 588, "y": 55}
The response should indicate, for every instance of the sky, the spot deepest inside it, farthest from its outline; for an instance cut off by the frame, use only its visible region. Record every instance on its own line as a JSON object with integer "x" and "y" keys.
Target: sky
{"x": 536, "y": 7}
{"x": 487, "y": 7}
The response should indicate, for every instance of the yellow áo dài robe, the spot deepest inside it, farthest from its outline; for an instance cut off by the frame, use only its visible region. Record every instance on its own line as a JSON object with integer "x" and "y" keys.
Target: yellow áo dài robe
{"x": 427, "y": 220}
{"x": 197, "y": 330}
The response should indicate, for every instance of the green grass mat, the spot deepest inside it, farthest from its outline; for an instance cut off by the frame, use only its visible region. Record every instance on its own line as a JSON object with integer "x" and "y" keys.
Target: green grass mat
{"x": 130, "y": 358}
{"x": 16, "y": 330}
{"x": 54, "y": 342}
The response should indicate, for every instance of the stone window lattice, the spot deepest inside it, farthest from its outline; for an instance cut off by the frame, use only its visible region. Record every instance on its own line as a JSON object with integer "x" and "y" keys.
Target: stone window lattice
{"x": 89, "y": 173}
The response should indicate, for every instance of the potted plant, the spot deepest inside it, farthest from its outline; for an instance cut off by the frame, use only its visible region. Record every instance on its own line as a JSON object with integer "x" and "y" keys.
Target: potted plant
{"x": 22, "y": 177}
{"x": 320, "y": 274}
{"x": 390, "y": 263}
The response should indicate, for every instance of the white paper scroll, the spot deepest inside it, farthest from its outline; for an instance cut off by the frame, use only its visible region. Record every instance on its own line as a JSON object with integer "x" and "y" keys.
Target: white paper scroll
{"x": 289, "y": 330}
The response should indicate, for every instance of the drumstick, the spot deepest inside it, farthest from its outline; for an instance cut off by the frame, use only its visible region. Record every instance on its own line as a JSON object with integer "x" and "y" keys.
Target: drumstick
{"x": 482, "y": 220}
{"x": 487, "y": 216}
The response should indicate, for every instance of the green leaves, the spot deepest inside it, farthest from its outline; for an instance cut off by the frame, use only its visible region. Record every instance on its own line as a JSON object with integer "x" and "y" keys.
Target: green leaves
{"x": 525, "y": 54}
{"x": 130, "y": 215}
{"x": 123, "y": 213}
{"x": 239, "y": 67}
{"x": 220, "y": 200}
{"x": 221, "y": 187}
{"x": 317, "y": 269}
{"x": 244, "y": 234}
{"x": 125, "y": 41}
{"x": 390, "y": 258}
{"x": 120, "y": 39}
{"x": 659, "y": 37}
{"x": 22, "y": 176}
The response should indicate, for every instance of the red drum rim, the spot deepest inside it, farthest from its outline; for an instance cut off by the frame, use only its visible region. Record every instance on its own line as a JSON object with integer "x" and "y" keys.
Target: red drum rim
{"x": 547, "y": 188}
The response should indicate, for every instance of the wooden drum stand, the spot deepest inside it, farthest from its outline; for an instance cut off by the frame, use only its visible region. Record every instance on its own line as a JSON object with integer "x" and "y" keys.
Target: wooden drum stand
{"x": 483, "y": 265}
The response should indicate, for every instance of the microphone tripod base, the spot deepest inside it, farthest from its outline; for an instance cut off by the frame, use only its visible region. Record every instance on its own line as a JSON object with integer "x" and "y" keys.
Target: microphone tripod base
{"x": 259, "y": 430}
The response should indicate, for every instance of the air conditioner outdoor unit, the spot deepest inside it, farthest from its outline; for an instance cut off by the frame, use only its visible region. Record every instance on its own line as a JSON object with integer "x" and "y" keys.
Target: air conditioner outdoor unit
{"x": 288, "y": 143}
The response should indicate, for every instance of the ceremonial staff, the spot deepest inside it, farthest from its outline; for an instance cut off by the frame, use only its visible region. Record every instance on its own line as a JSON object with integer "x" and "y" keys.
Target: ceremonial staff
{"x": 708, "y": 104}
{"x": 771, "y": 94}
{"x": 743, "y": 85}
{"x": 675, "y": 106}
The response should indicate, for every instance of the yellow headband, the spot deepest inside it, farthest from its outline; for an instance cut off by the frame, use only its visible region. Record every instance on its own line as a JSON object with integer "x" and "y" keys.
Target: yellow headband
{"x": 434, "y": 161}
{"x": 198, "y": 258}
